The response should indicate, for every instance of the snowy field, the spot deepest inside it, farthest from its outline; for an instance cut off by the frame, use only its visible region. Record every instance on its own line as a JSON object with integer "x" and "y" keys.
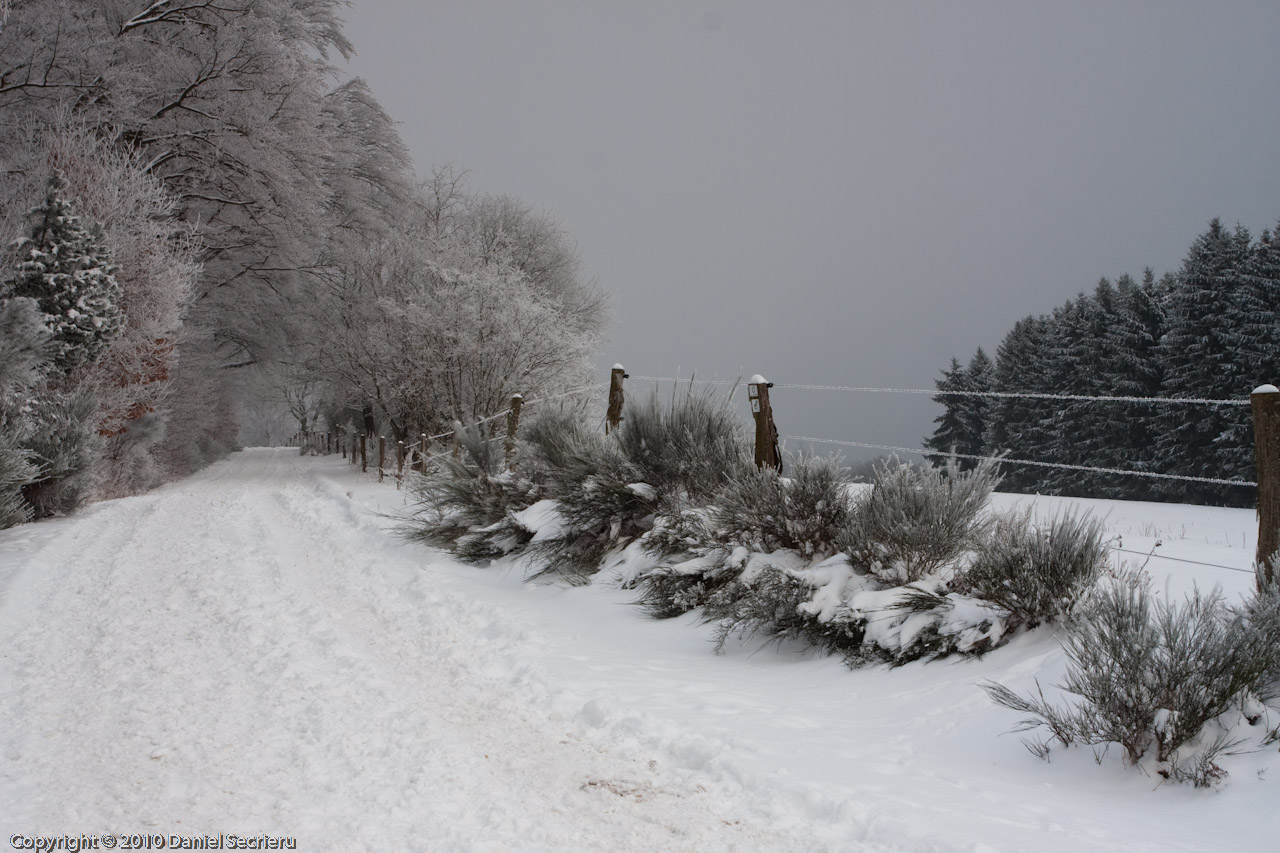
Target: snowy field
{"x": 250, "y": 651}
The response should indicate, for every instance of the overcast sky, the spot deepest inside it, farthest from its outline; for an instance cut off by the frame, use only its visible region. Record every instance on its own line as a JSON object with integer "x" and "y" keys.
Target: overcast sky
{"x": 843, "y": 193}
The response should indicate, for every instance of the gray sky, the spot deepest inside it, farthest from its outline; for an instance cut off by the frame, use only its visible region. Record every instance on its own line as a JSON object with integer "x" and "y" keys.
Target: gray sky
{"x": 843, "y": 193}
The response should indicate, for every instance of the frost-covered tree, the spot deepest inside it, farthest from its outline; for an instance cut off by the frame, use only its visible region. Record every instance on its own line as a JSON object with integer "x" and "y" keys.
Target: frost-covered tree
{"x": 446, "y": 320}
{"x": 24, "y": 351}
{"x": 66, "y": 268}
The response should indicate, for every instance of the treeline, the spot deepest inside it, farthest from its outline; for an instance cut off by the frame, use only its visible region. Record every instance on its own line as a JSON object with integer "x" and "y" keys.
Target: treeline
{"x": 201, "y": 219}
{"x": 1210, "y": 330}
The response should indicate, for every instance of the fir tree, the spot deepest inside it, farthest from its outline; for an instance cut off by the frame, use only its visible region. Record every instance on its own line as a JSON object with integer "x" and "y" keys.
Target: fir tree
{"x": 67, "y": 269}
{"x": 1016, "y": 427}
{"x": 1133, "y": 369}
{"x": 1201, "y": 355}
{"x": 978, "y": 412}
{"x": 952, "y": 432}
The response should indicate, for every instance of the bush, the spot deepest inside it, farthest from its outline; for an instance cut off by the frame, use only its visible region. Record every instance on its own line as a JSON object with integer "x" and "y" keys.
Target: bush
{"x": 1148, "y": 673}
{"x": 756, "y": 511}
{"x": 465, "y": 504}
{"x": 610, "y": 489}
{"x": 687, "y": 451}
{"x": 807, "y": 513}
{"x": 916, "y": 520}
{"x": 61, "y": 440}
{"x": 773, "y": 604}
{"x": 920, "y": 621}
{"x": 16, "y": 471}
{"x": 1037, "y": 571}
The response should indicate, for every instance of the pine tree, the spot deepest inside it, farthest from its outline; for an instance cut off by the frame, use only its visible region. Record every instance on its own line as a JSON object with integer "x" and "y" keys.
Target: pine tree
{"x": 1133, "y": 369}
{"x": 23, "y": 352}
{"x": 952, "y": 432}
{"x": 1200, "y": 352}
{"x": 67, "y": 269}
{"x": 976, "y": 412}
{"x": 1016, "y": 427}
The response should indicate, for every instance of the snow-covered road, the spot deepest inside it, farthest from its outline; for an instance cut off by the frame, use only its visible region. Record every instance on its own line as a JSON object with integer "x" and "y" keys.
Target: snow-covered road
{"x": 251, "y": 651}
{"x": 225, "y": 656}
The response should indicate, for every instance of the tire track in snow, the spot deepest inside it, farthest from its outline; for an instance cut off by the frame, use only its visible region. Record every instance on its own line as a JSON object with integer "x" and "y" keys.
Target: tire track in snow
{"x": 232, "y": 654}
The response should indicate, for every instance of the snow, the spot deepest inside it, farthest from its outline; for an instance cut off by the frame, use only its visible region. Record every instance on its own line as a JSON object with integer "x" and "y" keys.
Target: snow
{"x": 252, "y": 651}
{"x": 1266, "y": 389}
{"x": 756, "y": 380}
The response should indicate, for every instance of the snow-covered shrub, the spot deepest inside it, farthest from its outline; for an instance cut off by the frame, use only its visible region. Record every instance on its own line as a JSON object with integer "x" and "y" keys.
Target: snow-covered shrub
{"x": 465, "y": 504}
{"x": 922, "y": 620}
{"x": 756, "y": 511}
{"x": 1148, "y": 674}
{"x": 806, "y": 512}
{"x": 610, "y": 489}
{"x": 687, "y": 450}
{"x": 17, "y": 469}
{"x": 61, "y": 440}
{"x": 1261, "y": 615}
{"x": 777, "y": 602}
{"x": 916, "y": 520}
{"x": 23, "y": 351}
{"x": 610, "y": 508}
{"x": 1037, "y": 571}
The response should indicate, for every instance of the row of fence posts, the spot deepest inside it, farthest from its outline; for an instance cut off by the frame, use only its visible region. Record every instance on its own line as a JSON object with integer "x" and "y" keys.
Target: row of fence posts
{"x": 1264, "y": 404}
{"x": 354, "y": 445}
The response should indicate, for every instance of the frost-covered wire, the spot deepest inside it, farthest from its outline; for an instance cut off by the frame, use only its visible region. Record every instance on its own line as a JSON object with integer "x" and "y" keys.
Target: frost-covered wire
{"x": 507, "y": 411}
{"x": 693, "y": 380}
{"x": 1021, "y": 395}
{"x": 1003, "y": 460}
{"x": 1011, "y": 395}
{"x": 1181, "y": 560}
{"x": 584, "y": 389}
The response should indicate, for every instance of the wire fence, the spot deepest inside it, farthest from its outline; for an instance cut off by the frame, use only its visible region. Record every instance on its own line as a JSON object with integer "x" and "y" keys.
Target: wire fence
{"x": 415, "y": 453}
{"x": 1026, "y": 395}
{"x": 1006, "y": 461}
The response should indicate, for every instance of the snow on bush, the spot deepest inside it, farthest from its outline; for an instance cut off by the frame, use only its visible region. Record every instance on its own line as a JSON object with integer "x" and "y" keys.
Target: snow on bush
{"x": 916, "y": 520}
{"x": 755, "y": 511}
{"x": 1037, "y": 571}
{"x": 466, "y": 504}
{"x": 1150, "y": 675}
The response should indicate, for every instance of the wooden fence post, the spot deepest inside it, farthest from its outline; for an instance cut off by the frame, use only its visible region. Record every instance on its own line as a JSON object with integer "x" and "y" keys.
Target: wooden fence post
{"x": 513, "y": 424}
{"x": 616, "y": 398}
{"x": 328, "y": 443}
{"x": 399, "y": 463}
{"x": 1265, "y": 403}
{"x": 382, "y": 455}
{"x": 457, "y": 439}
{"x": 766, "y": 432}
{"x": 364, "y": 453}
{"x": 422, "y": 452}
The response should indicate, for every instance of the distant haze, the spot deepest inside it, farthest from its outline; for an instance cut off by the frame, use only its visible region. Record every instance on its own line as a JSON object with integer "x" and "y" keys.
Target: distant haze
{"x": 843, "y": 193}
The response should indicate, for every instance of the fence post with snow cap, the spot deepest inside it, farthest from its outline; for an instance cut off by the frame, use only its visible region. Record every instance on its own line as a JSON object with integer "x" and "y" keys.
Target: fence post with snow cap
{"x": 457, "y": 439}
{"x": 1265, "y": 403}
{"x": 382, "y": 455}
{"x": 613, "y": 415}
{"x": 513, "y": 425}
{"x": 766, "y": 432}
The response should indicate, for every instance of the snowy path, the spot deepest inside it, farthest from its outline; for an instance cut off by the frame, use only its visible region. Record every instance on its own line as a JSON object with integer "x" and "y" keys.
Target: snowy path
{"x": 224, "y": 656}
{"x": 250, "y": 651}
